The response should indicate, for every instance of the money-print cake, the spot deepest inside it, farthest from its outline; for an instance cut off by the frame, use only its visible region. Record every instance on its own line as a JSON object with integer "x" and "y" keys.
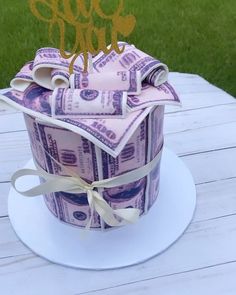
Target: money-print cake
{"x": 97, "y": 126}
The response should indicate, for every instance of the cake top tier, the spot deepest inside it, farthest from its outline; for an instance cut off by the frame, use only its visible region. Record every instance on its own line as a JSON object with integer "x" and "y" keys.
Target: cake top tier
{"x": 105, "y": 105}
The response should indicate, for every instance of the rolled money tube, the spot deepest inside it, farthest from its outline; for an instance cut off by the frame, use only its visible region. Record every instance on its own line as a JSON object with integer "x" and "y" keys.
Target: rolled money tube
{"x": 158, "y": 76}
{"x": 92, "y": 164}
{"x": 60, "y": 79}
{"x": 46, "y": 61}
{"x": 24, "y": 78}
{"x": 132, "y": 59}
{"x": 127, "y": 81}
{"x": 75, "y": 103}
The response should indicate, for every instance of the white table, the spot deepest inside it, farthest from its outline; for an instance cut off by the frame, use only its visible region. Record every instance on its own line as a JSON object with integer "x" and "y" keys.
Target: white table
{"x": 203, "y": 261}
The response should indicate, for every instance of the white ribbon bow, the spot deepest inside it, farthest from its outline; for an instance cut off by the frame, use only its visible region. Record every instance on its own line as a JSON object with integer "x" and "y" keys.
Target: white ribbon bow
{"x": 74, "y": 184}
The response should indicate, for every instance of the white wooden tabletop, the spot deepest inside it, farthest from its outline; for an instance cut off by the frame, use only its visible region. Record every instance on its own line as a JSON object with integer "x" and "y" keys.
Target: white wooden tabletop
{"x": 203, "y": 261}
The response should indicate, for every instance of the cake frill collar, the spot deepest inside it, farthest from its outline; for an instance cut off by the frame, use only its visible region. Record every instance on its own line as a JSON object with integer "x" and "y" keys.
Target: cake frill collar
{"x": 105, "y": 106}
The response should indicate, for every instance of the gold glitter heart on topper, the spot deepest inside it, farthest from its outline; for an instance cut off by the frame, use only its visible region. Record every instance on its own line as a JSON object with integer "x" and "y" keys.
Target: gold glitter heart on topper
{"x": 125, "y": 24}
{"x": 61, "y": 13}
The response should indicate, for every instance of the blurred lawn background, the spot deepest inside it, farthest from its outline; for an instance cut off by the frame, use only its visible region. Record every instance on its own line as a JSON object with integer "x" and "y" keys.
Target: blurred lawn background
{"x": 191, "y": 36}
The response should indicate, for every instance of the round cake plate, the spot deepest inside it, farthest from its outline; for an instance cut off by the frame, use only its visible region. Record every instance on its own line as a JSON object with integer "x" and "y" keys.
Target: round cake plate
{"x": 67, "y": 245}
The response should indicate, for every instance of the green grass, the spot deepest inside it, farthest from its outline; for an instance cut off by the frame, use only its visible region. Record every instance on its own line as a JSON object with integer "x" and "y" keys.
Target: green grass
{"x": 193, "y": 36}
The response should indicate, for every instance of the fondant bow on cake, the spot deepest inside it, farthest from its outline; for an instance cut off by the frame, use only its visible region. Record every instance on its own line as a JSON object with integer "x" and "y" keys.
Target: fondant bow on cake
{"x": 125, "y": 86}
{"x": 50, "y": 70}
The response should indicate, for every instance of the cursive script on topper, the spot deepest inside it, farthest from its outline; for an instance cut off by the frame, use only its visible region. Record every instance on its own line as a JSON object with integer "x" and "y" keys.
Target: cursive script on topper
{"x": 62, "y": 13}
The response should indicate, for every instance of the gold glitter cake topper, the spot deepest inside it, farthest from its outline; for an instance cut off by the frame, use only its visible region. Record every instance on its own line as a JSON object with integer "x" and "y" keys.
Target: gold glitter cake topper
{"x": 67, "y": 12}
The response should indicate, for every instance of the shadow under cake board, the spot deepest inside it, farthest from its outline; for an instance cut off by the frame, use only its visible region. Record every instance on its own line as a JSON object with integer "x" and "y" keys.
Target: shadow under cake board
{"x": 64, "y": 244}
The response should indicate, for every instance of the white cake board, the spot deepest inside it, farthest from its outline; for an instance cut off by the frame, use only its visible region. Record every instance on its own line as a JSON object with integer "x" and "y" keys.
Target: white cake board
{"x": 152, "y": 234}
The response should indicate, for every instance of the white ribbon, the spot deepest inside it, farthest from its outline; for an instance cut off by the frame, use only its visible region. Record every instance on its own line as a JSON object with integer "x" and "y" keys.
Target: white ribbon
{"x": 74, "y": 184}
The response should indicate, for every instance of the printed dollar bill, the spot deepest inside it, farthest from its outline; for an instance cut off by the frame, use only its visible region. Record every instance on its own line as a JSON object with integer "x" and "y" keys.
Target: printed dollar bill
{"x": 111, "y": 135}
{"x": 156, "y": 122}
{"x": 76, "y": 154}
{"x": 35, "y": 98}
{"x": 133, "y": 155}
{"x": 151, "y": 96}
{"x": 74, "y": 209}
{"x": 88, "y": 103}
{"x": 132, "y": 59}
{"x": 127, "y": 81}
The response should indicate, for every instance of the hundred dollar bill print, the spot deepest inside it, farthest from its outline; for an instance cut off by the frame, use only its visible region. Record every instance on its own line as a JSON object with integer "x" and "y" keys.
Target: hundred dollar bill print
{"x": 132, "y": 59}
{"x": 155, "y": 145}
{"x": 127, "y": 81}
{"x": 76, "y": 154}
{"x": 151, "y": 96}
{"x": 76, "y": 103}
{"x": 131, "y": 157}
